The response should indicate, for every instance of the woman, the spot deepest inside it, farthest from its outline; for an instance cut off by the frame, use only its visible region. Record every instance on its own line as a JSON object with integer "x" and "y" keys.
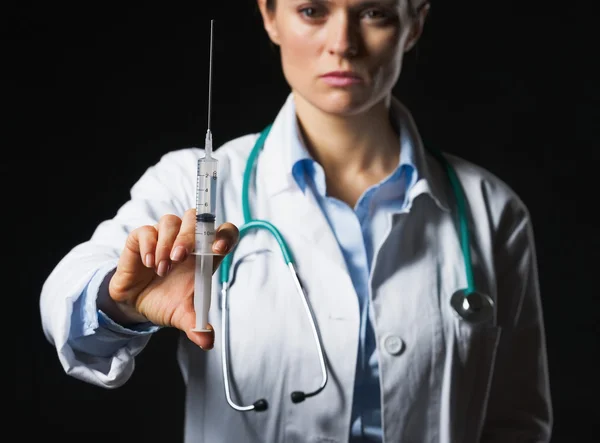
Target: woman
{"x": 370, "y": 216}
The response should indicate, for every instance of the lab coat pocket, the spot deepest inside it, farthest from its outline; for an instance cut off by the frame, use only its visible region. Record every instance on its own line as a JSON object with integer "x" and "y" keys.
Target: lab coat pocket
{"x": 476, "y": 346}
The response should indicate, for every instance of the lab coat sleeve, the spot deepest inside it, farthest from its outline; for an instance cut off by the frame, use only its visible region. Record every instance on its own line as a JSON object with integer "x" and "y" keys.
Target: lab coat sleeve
{"x": 92, "y": 331}
{"x": 89, "y": 345}
{"x": 519, "y": 407}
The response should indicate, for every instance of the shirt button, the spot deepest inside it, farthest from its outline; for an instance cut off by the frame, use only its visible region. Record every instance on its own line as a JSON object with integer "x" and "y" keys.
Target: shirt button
{"x": 393, "y": 344}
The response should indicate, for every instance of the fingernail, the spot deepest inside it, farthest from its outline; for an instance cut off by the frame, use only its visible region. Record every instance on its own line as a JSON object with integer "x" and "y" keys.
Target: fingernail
{"x": 163, "y": 268}
{"x": 220, "y": 246}
{"x": 178, "y": 253}
{"x": 149, "y": 261}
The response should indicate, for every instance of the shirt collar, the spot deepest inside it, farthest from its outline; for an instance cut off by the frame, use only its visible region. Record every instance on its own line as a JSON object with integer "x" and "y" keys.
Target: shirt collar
{"x": 300, "y": 163}
{"x": 284, "y": 146}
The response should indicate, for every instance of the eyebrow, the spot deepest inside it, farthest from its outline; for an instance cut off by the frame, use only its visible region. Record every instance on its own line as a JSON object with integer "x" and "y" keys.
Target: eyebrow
{"x": 387, "y": 3}
{"x": 365, "y": 3}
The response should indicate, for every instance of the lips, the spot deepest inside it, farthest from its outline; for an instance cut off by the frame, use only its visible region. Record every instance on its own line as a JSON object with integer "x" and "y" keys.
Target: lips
{"x": 342, "y": 78}
{"x": 343, "y": 74}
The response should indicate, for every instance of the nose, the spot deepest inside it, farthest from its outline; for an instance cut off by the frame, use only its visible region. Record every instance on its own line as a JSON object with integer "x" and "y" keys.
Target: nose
{"x": 344, "y": 36}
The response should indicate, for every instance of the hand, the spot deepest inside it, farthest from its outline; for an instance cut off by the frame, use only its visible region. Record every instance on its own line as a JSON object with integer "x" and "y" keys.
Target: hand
{"x": 154, "y": 279}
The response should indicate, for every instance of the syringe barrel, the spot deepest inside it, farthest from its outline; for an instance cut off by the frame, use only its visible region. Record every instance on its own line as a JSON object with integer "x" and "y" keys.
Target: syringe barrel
{"x": 206, "y": 196}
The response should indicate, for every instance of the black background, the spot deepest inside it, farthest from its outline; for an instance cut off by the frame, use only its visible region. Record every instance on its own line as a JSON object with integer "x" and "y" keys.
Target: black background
{"x": 101, "y": 92}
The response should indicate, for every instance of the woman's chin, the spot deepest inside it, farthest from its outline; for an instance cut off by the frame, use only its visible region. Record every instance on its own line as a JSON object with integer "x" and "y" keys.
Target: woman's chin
{"x": 343, "y": 102}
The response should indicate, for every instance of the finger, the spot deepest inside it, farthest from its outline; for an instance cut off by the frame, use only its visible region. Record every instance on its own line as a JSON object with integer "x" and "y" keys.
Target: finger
{"x": 147, "y": 239}
{"x": 135, "y": 259}
{"x": 185, "y": 241}
{"x": 168, "y": 229}
{"x": 227, "y": 236}
{"x": 139, "y": 250}
{"x": 206, "y": 340}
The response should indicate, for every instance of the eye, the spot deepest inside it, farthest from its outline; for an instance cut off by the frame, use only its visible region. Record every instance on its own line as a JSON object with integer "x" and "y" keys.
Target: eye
{"x": 311, "y": 12}
{"x": 375, "y": 14}
{"x": 308, "y": 12}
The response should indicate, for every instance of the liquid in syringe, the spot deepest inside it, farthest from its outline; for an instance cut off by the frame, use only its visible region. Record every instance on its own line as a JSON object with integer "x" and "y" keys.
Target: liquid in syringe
{"x": 206, "y": 197}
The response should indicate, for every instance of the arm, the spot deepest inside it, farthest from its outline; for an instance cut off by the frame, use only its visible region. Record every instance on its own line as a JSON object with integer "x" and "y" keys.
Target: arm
{"x": 89, "y": 345}
{"x": 520, "y": 408}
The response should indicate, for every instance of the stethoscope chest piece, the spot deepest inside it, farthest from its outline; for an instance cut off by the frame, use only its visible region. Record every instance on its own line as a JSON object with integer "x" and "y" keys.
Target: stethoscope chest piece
{"x": 474, "y": 307}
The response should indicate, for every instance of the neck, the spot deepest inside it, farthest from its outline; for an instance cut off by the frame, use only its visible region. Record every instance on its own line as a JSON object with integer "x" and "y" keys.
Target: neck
{"x": 350, "y": 146}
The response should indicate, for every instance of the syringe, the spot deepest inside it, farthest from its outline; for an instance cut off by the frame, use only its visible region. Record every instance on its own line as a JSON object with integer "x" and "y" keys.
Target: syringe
{"x": 206, "y": 197}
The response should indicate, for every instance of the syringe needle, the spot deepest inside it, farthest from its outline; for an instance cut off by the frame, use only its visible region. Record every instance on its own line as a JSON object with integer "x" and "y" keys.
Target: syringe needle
{"x": 208, "y": 141}
{"x": 210, "y": 65}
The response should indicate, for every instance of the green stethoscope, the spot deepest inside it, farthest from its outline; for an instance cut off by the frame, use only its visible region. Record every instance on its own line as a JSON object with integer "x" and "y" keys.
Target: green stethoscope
{"x": 469, "y": 305}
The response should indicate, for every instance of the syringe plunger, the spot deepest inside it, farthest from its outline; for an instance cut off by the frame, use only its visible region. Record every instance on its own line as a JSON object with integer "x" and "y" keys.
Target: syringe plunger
{"x": 202, "y": 291}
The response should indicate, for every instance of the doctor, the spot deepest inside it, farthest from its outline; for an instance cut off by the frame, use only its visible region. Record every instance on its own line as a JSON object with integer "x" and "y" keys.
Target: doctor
{"x": 371, "y": 219}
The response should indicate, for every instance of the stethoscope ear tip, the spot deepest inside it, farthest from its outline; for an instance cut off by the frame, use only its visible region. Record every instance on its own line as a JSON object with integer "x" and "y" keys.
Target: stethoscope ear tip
{"x": 473, "y": 307}
{"x": 298, "y": 397}
{"x": 261, "y": 405}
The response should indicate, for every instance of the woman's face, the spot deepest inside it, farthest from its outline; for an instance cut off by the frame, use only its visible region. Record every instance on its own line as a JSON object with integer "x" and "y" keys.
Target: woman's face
{"x": 342, "y": 56}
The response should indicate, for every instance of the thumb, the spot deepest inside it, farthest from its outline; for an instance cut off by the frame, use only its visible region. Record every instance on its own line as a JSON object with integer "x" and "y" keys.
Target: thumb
{"x": 227, "y": 237}
{"x": 205, "y": 340}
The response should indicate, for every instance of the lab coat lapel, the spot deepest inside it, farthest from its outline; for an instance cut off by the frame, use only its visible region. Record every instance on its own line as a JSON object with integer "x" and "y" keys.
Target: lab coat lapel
{"x": 285, "y": 204}
{"x": 301, "y": 215}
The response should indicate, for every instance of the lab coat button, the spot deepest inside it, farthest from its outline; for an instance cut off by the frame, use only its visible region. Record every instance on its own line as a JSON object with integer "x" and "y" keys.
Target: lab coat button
{"x": 394, "y": 345}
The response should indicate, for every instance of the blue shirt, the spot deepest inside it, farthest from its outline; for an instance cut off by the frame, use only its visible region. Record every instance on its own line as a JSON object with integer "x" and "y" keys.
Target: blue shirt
{"x": 359, "y": 232}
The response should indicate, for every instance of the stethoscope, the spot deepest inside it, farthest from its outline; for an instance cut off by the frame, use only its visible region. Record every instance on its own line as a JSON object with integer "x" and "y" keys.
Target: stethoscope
{"x": 468, "y": 304}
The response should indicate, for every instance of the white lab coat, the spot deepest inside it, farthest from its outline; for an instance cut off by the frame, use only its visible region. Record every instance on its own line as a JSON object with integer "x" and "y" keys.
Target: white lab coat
{"x": 442, "y": 380}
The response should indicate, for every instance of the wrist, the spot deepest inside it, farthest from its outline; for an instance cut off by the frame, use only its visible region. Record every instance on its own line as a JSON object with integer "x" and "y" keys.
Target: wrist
{"x": 119, "y": 312}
